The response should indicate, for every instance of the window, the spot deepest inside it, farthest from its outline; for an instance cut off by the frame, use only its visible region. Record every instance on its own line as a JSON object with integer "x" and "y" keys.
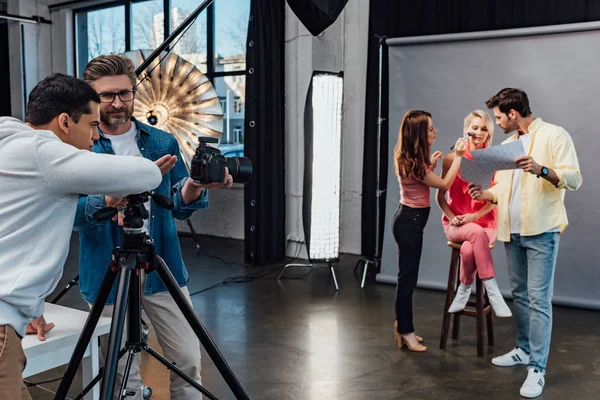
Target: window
{"x": 237, "y": 135}
{"x": 231, "y": 28}
{"x": 99, "y": 32}
{"x": 232, "y": 91}
{"x": 193, "y": 43}
{"x": 237, "y": 105}
{"x": 148, "y": 28}
{"x": 220, "y": 30}
{"x": 223, "y": 102}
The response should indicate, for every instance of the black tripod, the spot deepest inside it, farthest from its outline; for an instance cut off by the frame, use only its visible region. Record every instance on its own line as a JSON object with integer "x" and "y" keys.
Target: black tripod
{"x": 136, "y": 254}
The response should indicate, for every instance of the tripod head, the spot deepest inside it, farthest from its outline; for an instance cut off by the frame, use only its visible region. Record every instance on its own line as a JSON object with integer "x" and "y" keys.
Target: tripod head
{"x": 134, "y": 212}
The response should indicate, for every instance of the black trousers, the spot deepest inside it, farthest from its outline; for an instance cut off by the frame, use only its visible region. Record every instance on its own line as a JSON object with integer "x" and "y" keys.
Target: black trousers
{"x": 408, "y": 225}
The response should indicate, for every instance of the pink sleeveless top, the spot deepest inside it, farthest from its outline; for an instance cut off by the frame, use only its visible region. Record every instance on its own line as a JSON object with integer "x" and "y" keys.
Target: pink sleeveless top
{"x": 413, "y": 192}
{"x": 461, "y": 203}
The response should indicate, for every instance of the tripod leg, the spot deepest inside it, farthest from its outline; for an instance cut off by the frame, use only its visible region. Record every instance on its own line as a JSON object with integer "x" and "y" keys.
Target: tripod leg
{"x": 178, "y": 372}
{"x": 95, "y": 380}
{"x": 86, "y": 334}
{"x": 116, "y": 332}
{"x": 72, "y": 283}
{"x": 199, "y": 329}
{"x": 123, "y": 389}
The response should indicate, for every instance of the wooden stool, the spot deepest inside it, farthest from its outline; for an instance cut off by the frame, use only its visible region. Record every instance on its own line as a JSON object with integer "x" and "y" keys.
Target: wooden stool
{"x": 480, "y": 308}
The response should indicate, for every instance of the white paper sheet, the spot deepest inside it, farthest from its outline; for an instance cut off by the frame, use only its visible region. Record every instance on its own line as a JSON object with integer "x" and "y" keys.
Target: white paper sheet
{"x": 471, "y": 171}
{"x": 499, "y": 157}
{"x": 485, "y": 162}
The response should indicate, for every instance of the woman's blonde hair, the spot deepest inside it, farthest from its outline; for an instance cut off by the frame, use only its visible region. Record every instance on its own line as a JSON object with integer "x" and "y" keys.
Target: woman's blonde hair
{"x": 487, "y": 120}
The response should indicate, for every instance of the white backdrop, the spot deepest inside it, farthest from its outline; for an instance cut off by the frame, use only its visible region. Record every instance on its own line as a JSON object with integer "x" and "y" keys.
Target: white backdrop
{"x": 450, "y": 75}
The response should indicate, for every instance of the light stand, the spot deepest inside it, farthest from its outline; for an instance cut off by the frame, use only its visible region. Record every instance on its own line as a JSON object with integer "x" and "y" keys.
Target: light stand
{"x": 322, "y": 171}
{"x": 379, "y": 192}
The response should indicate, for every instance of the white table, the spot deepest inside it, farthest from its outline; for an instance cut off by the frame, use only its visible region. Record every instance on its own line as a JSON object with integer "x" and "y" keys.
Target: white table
{"x": 60, "y": 342}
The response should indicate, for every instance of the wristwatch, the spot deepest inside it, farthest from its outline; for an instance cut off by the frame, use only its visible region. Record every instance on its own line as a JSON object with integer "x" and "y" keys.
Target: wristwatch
{"x": 544, "y": 172}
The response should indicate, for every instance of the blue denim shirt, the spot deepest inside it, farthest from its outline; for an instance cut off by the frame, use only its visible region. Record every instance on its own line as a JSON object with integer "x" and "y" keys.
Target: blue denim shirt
{"x": 98, "y": 239}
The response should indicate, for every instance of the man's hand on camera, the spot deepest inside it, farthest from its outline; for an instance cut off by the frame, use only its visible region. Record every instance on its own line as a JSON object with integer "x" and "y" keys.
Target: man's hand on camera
{"x": 192, "y": 189}
{"x": 227, "y": 182}
{"x": 40, "y": 327}
{"x": 166, "y": 163}
{"x": 116, "y": 202}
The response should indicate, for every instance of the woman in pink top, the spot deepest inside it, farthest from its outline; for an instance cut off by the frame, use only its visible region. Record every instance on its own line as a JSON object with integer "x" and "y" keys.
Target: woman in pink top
{"x": 414, "y": 168}
{"x": 472, "y": 222}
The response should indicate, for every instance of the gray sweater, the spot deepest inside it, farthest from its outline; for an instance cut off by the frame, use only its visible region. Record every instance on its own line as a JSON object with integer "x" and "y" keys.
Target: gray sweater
{"x": 40, "y": 179}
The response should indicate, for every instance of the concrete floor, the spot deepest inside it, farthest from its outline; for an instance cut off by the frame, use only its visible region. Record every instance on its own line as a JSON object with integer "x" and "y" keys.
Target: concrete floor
{"x": 299, "y": 339}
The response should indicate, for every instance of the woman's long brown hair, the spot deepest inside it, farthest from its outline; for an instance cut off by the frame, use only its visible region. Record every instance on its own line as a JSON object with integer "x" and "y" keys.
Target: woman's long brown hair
{"x": 411, "y": 155}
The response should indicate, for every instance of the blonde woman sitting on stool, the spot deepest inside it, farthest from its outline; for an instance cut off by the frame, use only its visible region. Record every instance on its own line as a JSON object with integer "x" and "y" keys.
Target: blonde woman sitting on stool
{"x": 472, "y": 222}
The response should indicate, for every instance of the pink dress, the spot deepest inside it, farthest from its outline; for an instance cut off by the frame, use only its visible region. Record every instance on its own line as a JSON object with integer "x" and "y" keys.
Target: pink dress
{"x": 476, "y": 256}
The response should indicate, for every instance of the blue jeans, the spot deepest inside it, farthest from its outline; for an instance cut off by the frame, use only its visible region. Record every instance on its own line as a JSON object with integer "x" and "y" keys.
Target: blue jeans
{"x": 531, "y": 261}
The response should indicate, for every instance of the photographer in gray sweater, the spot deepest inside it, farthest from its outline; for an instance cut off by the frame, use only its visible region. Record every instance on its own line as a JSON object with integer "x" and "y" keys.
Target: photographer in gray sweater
{"x": 45, "y": 164}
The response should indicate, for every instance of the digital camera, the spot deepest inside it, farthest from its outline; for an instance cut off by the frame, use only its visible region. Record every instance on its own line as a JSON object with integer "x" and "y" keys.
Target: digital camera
{"x": 208, "y": 164}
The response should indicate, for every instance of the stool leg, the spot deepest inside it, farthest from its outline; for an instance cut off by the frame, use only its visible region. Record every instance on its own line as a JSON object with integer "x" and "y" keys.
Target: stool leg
{"x": 449, "y": 297}
{"x": 490, "y": 323}
{"x": 456, "y": 324}
{"x": 480, "y": 317}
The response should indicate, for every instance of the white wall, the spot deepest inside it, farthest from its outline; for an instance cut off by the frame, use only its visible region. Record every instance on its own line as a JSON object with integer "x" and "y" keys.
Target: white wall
{"x": 342, "y": 47}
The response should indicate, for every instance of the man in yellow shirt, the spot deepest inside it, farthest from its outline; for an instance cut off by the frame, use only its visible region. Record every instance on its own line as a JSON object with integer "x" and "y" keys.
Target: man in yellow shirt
{"x": 531, "y": 217}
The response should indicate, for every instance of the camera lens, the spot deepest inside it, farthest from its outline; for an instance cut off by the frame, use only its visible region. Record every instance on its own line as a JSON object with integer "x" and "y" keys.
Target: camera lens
{"x": 240, "y": 169}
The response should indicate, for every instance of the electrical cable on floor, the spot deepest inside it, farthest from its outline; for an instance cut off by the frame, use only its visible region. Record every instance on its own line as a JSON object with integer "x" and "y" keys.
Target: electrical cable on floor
{"x": 249, "y": 277}
{"x": 220, "y": 259}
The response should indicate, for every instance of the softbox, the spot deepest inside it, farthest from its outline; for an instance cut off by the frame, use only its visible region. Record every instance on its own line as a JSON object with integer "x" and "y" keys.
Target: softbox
{"x": 317, "y": 15}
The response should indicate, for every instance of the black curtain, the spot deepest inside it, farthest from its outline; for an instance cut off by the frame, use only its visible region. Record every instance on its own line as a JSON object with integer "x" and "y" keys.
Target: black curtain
{"x": 264, "y": 133}
{"x": 4, "y": 71}
{"x": 398, "y": 18}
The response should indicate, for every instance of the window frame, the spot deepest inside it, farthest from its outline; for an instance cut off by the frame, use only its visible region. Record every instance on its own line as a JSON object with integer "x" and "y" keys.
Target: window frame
{"x": 210, "y": 33}
{"x": 211, "y": 74}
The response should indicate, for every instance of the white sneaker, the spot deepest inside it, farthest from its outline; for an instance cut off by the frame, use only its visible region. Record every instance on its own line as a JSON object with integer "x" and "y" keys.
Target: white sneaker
{"x": 514, "y": 357}
{"x": 460, "y": 300}
{"x": 496, "y": 300}
{"x": 534, "y": 384}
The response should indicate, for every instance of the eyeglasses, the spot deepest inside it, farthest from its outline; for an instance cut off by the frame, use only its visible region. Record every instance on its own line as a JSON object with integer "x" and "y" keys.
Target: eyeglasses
{"x": 124, "y": 95}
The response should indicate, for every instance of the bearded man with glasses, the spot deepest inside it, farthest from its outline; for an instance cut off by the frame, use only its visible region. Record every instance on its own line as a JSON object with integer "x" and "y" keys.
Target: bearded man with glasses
{"x": 113, "y": 78}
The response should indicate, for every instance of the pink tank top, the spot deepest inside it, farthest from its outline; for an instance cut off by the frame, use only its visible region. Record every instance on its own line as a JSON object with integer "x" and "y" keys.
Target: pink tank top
{"x": 413, "y": 192}
{"x": 461, "y": 203}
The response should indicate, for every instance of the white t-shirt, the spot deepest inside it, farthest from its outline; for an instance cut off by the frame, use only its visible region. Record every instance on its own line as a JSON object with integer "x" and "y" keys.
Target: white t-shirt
{"x": 515, "y": 199}
{"x": 126, "y": 145}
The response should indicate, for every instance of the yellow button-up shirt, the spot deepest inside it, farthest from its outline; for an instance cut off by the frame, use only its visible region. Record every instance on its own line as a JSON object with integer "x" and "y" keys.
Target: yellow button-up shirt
{"x": 542, "y": 203}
